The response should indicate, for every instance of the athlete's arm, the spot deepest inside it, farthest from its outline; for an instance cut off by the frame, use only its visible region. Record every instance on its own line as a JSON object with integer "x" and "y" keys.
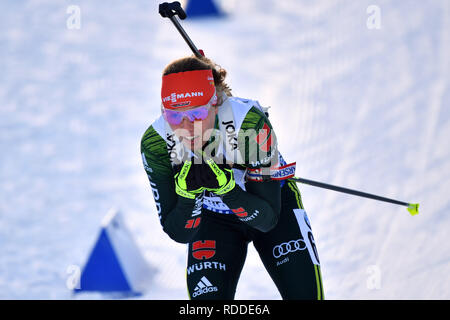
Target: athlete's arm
{"x": 261, "y": 202}
{"x": 179, "y": 216}
{"x": 259, "y": 206}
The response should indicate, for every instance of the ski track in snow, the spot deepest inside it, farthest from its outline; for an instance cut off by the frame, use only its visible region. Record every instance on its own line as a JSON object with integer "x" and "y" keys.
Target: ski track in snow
{"x": 365, "y": 109}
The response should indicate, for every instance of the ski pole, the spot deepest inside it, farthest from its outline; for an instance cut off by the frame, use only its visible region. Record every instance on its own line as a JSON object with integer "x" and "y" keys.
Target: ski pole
{"x": 413, "y": 208}
{"x": 170, "y": 10}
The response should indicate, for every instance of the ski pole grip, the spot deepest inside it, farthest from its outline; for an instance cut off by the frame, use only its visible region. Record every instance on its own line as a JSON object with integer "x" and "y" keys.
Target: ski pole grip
{"x": 168, "y": 10}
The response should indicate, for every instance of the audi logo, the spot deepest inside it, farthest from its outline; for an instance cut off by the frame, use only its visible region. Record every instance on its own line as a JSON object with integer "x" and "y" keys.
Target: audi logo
{"x": 288, "y": 247}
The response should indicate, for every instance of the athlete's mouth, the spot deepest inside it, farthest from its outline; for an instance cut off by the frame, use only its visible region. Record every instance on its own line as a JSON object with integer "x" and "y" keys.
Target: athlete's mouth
{"x": 191, "y": 138}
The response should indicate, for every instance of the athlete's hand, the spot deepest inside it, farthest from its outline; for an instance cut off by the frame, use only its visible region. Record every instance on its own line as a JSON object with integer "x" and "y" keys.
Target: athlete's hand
{"x": 194, "y": 177}
{"x": 186, "y": 182}
{"x": 216, "y": 178}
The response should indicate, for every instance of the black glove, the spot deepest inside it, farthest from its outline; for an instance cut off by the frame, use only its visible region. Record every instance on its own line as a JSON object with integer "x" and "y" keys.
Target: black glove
{"x": 193, "y": 178}
{"x": 217, "y": 178}
{"x": 186, "y": 184}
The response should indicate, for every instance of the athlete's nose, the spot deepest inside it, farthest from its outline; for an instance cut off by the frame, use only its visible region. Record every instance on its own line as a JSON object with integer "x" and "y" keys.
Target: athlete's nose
{"x": 187, "y": 125}
{"x": 185, "y": 122}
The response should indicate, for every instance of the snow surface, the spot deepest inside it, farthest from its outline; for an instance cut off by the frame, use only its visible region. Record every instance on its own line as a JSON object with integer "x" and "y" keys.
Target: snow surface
{"x": 363, "y": 108}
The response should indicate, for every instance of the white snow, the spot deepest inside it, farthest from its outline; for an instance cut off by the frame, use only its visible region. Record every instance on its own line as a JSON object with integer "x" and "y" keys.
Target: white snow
{"x": 357, "y": 107}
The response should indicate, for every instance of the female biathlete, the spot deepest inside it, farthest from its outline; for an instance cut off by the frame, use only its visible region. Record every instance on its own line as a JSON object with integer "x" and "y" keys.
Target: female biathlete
{"x": 219, "y": 183}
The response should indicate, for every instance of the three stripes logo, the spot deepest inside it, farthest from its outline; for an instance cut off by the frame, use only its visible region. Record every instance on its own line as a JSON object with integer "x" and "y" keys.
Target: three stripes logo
{"x": 203, "y": 286}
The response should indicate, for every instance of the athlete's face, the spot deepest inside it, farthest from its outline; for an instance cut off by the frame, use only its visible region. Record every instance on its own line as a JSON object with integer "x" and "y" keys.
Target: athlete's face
{"x": 194, "y": 134}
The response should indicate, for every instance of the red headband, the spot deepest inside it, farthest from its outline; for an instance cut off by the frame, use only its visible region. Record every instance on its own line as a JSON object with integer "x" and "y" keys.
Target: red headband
{"x": 187, "y": 89}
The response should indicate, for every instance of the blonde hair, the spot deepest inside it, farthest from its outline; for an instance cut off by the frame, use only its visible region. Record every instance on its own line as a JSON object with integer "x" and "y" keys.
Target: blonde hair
{"x": 192, "y": 63}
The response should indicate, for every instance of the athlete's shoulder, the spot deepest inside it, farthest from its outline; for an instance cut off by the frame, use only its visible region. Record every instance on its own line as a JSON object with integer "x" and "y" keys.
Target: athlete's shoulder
{"x": 152, "y": 140}
{"x": 256, "y": 119}
{"x": 256, "y": 139}
{"x": 246, "y": 112}
{"x": 154, "y": 153}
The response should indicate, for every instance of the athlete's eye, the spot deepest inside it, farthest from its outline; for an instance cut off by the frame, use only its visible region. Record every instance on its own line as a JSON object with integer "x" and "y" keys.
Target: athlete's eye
{"x": 200, "y": 113}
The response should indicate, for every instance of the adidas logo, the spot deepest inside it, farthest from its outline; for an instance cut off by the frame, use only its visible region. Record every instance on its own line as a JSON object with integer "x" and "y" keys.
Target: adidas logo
{"x": 203, "y": 286}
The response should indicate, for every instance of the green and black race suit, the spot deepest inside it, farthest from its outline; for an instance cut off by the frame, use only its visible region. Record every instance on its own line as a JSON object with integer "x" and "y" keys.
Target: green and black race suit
{"x": 219, "y": 228}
